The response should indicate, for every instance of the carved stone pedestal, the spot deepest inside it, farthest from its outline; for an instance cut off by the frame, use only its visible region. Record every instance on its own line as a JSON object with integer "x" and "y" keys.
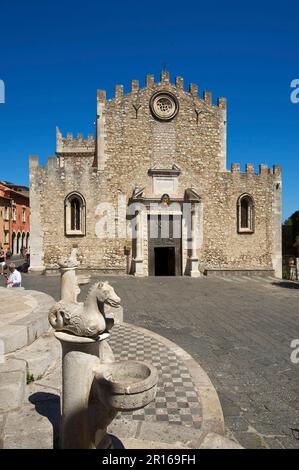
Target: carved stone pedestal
{"x": 194, "y": 272}
{"x": 138, "y": 267}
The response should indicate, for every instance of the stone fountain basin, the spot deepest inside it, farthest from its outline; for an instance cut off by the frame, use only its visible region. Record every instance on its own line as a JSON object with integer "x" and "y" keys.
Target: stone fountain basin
{"x": 127, "y": 385}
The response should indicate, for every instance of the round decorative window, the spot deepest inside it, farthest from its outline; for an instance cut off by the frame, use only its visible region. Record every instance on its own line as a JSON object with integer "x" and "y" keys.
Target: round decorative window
{"x": 164, "y": 105}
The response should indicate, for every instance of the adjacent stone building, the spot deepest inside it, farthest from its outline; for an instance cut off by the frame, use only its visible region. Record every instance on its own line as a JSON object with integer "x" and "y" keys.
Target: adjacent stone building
{"x": 159, "y": 155}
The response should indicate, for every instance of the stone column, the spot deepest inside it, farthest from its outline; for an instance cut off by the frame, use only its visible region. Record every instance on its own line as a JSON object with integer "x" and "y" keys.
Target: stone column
{"x": 138, "y": 261}
{"x": 194, "y": 272}
{"x": 297, "y": 269}
{"x": 14, "y": 249}
{"x": 81, "y": 418}
{"x": 36, "y": 228}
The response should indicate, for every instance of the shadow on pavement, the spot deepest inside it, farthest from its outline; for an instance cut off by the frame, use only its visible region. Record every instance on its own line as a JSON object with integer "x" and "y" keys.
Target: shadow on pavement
{"x": 116, "y": 442}
{"x": 48, "y": 405}
{"x": 286, "y": 284}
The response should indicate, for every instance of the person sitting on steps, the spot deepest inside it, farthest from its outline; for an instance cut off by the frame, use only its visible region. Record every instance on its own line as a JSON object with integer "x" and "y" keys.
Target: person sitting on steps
{"x": 15, "y": 277}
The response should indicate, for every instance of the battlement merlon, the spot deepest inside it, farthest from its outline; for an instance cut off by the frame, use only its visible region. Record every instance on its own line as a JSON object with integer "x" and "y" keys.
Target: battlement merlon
{"x": 33, "y": 161}
{"x": 263, "y": 169}
{"x": 36, "y": 170}
{"x": 77, "y": 145}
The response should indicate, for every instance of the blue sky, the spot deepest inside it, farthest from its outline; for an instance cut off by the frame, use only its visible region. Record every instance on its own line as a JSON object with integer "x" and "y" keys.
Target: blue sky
{"x": 54, "y": 55}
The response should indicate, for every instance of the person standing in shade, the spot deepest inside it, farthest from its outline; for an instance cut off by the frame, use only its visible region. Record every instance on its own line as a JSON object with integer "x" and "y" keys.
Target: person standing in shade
{"x": 8, "y": 259}
{"x": 15, "y": 277}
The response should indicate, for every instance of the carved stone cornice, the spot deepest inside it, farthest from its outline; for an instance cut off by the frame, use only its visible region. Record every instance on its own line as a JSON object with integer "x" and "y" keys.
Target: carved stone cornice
{"x": 174, "y": 171}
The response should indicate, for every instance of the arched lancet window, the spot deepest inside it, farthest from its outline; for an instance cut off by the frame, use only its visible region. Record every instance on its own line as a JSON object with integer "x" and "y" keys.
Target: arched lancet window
{"x": 245, "y": 213}
{"x": 75, "y": 208}
{"x": 75, "y": 214}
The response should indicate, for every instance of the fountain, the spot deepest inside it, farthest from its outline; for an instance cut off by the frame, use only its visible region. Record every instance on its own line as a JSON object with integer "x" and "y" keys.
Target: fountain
{"x": 94, "y": 386}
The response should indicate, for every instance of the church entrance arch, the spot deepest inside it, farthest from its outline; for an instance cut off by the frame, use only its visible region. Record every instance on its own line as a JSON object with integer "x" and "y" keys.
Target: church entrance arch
{"x": 165, "y": 244}
{"x": 165, "y": 261}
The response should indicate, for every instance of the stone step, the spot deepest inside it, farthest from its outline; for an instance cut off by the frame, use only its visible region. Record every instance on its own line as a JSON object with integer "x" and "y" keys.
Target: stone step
{"x": 40, "y": 355}
{"x": 27, "y": 364}
{"x": 28, "y": 429}
{"x": 12, "y": 384}
{"x": 26, "y": 317}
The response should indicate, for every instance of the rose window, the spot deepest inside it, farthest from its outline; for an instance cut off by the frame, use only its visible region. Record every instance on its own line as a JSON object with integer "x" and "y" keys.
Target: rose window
{"x": 164, "y": 106}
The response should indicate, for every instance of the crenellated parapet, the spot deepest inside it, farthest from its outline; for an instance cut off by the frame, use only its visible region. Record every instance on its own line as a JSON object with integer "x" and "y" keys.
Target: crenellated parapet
{"x": 160, "y": 103}
{"x": 164, "y": 80}
{"x": 36, "y": 169}
{"x": 262, "y": 169}
{"x": 74, "y": 145}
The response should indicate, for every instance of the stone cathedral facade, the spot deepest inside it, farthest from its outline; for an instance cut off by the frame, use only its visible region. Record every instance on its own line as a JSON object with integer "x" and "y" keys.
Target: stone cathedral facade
{"x": 159, "y": 154}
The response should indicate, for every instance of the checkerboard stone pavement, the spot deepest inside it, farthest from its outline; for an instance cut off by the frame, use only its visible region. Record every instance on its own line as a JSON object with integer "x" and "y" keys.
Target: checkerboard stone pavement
{"x": 176, "y": 401}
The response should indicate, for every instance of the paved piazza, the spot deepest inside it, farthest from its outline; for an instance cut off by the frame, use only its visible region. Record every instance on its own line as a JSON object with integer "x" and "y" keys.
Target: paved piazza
{"x": 238, "y": 329}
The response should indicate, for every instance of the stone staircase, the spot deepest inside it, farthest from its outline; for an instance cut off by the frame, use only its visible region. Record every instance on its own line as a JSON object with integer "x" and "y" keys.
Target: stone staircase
{"x": 25, "y": 343}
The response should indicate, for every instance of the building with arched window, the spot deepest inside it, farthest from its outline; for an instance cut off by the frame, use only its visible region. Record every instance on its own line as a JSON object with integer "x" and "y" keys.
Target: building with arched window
{"x": 14, "y": 217}
{"x": 245, "y": 215}
{"x": 151, "y": 194}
